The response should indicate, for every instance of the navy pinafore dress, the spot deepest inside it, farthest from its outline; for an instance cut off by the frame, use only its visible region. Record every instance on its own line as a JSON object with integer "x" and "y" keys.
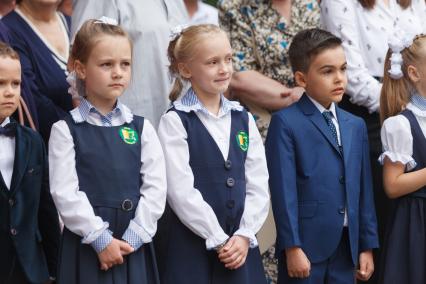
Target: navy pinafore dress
{"x": 182, "y": 255}
{"x": 108, "y": 168}
{"x": 404, "y": 251}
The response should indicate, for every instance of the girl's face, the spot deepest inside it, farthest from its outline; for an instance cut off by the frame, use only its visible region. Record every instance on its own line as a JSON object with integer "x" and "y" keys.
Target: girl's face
{"x": 210, "y": 69}
{"x": 107, "y": 71}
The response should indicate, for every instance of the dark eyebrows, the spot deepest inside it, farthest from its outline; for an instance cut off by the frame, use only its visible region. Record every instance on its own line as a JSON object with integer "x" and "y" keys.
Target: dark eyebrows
{"x": 332, "y": 66}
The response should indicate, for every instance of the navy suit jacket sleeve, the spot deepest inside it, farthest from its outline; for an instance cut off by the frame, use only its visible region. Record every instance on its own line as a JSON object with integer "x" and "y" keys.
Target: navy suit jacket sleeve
{"x": 48, "y": 220}
{"x": 368, "y": 238}
{"x": 280, "y": 155}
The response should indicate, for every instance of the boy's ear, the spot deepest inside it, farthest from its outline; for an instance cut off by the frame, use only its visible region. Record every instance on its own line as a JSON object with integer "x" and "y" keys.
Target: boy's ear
{"x": 413, "y": 74}
{"x": 300, "y": 79}
{"x": 80, "y": 69}
{"x": 184, "y": 70}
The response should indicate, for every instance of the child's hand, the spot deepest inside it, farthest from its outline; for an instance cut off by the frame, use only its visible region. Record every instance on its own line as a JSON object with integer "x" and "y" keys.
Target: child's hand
{"x": 125, "y": 248}
{"x": 366, "y": 266}
{"x": 298, "y": 265}
{"x": 234, "y": 253}
{"x": 111, "y": 255}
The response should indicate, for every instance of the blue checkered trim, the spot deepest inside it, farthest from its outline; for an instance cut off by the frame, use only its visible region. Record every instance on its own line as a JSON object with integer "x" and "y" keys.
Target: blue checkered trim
{"x": 190, "y": 101}
{"x": 132, "y": 239}
{"x": 102, "y": 241}
{"x": 419, "y": 101}
{"x": 86, "y": 107}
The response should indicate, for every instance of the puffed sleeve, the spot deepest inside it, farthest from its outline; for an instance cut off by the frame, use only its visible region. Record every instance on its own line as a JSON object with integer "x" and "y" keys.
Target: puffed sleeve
{"x": 397, "y": 141}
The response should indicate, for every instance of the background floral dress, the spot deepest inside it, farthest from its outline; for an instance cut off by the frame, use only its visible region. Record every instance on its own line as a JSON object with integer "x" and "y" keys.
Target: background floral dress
{"x": 261, "y": 37}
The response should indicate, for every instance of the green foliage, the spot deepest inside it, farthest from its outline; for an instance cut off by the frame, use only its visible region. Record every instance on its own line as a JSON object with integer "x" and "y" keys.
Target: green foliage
{"x": 211, "y": 2}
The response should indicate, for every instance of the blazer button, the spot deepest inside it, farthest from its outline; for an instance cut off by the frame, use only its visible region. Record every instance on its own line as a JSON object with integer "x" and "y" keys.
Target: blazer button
{"x": 342, "y": 179}
{"x": 230, "y": 204}
{"x": 13, "y": 231}
{"x": 342, "y": 210}
{"x": 230, "y": 182}
{"x": 11, "y": 202}
{"x": 228, "y": 164}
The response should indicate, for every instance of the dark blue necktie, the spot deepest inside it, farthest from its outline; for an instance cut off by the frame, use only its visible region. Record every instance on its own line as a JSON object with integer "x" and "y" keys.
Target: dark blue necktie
{"x": 9, "y": 130}
{"x": 328, "y": 118}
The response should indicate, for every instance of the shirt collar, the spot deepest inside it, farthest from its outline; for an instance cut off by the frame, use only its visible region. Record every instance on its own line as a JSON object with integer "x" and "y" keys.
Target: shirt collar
{"x": 82, "y": 112}
{"x": 321, "y": 108}
{"x": 418, "y": 101}
{"x": 5, "y": 122}
{"x": 190, "y": 102}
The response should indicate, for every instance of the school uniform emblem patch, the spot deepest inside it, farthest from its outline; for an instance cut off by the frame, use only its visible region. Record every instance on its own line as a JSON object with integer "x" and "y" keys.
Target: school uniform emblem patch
{"x": 242, "y": 140}
{"x": 128, "y": 135}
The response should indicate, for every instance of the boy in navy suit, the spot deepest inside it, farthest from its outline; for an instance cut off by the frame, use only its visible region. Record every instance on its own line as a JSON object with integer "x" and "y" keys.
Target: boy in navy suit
{"x": 29, "y": 227}
{"x": 320, "y": 178}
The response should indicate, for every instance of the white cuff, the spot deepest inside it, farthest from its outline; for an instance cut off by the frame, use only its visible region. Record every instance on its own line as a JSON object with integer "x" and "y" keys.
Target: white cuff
{"x": 216, "y": 240}
{"x": 248, "y": 234}
{"x": 407, "y": 160}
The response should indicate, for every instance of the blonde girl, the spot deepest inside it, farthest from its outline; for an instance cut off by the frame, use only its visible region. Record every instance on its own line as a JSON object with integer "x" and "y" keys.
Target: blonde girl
{"x": 403, "y": 109}
{"x": 106, "y": 168}
{"x": 216, "y": 169}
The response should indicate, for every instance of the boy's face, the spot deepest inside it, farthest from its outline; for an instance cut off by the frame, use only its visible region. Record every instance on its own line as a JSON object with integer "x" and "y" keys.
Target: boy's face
{"x": 10, "y": 86}
{"x": 325, "y": 81}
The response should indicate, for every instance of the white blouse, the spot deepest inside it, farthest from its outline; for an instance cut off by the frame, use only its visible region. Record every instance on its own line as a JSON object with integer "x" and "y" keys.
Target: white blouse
{"x": 397, "y": 139}
{"x": 365, "y": 35}
{"x": 7, "y": 155}
{"x": 73, "y": 204}
{"x": 187, "y": 202}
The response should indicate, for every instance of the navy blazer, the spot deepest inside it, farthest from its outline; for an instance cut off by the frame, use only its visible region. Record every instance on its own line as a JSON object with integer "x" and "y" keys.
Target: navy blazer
{"x": 29, "y": 225}
{"x": 312, "y": 183}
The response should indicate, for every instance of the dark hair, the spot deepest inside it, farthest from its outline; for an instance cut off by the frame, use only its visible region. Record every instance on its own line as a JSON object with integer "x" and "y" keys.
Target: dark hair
{"x": 369, "y": 4}
{"x": 307, "y": 44}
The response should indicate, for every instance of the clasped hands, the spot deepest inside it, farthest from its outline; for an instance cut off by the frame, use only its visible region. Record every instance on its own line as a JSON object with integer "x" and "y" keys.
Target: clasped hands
{"x": 234, "y": 253}
{"x": 113, "y": 254}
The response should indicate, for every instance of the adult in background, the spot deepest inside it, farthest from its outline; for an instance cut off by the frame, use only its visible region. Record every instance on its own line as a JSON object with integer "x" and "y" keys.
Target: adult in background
{"x": 201, "y": 13}
{"x": 40, "y": 34}
{"x": 365, "y": 26}
{"x": 6, "y": 6}
{"x": 261, "y": 32}
{"x": 148, "y": 23}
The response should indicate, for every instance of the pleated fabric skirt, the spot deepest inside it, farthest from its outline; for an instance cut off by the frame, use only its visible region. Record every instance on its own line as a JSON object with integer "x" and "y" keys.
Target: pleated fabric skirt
{"x": 79, "y": 264}
{"x": 404, "y": 251}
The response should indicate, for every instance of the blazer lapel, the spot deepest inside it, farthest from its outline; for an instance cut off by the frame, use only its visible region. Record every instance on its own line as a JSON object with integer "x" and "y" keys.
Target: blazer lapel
{"x": 345, "y": 133}
{"x": 318, "y": 120}
{"x": 22, "y": 154}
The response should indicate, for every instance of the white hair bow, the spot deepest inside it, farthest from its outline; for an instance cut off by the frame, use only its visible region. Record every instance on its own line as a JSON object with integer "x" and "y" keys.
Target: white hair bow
{"x": 107, "y": 21}
{"x": 177, "y": 31}
{"x": 398, "y": 43}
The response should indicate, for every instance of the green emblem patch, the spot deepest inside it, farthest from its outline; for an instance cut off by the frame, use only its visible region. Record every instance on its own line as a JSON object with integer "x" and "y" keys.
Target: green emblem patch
{"x": 242, "y": 140}
{"x": 128, "y": 135}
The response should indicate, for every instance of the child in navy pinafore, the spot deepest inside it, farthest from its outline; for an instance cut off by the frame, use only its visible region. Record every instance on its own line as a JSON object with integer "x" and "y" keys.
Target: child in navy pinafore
{"x": 216, "y": 171}
{"x": 404, "y": 163}
{"x": 107, "y": 169}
